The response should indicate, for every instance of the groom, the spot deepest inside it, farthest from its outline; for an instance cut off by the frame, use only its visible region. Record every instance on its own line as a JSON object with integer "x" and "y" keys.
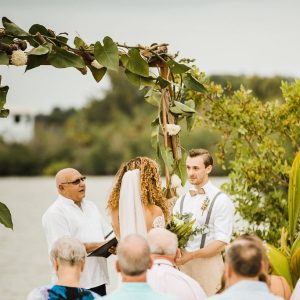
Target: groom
{"x": 202, "y": 259}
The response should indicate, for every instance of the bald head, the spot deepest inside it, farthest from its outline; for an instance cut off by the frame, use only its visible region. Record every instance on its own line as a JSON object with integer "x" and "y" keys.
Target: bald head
{"x": 162, "y": 242}
{"x": 70, "y": 184}
{"x": 133, "y": 255}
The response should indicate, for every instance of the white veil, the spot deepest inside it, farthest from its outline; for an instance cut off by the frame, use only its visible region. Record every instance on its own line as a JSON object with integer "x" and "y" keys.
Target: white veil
{"x": 131, "y": 212}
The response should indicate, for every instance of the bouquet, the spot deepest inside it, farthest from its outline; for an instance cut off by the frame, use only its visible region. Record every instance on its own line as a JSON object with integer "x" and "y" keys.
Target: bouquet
{"x": 183, "y": 226}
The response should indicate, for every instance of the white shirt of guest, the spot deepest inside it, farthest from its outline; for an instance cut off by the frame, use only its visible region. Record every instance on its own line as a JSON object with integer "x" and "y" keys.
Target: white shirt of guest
{"x": 165, "y": 278}
{"x": 65, "y": 218}
{"x": 221, "y": 220}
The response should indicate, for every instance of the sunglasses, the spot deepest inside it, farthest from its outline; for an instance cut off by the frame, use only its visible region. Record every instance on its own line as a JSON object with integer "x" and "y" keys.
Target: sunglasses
{"x": 75, "y": 182}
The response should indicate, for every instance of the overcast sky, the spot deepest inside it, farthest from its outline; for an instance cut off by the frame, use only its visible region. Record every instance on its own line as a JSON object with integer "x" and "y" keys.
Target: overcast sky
{"x": 224, "y": 36}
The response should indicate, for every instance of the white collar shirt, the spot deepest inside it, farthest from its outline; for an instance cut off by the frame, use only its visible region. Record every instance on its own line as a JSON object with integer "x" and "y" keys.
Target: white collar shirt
{"x": 65, "y": 218}
{"x": 221, "y": 220}
{"x": 165, "y": 278}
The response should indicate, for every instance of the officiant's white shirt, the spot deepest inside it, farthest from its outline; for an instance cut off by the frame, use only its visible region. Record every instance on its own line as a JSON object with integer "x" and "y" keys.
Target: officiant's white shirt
{"x": 165, "y": 278}
{"x": 65, "y": 218}
{"x": 221, "y": 220}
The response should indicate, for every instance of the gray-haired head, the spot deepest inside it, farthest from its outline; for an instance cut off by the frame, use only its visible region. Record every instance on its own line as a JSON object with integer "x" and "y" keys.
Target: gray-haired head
{"x": 245, "y": 258}
{"x": 69, "y": 251}
{"x": 133, "y": 255}
{"x": 162, "y": 242}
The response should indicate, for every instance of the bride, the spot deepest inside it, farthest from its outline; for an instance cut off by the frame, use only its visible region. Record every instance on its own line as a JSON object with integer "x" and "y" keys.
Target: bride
{"x": 136, "y": 203}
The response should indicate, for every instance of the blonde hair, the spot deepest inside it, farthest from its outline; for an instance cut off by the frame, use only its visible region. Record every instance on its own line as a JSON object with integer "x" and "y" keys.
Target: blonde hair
{"x": 151, "y": 189}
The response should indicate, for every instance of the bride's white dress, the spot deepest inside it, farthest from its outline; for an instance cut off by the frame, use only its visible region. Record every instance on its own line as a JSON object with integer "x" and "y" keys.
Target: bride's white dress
{"x": 131, "y": 212}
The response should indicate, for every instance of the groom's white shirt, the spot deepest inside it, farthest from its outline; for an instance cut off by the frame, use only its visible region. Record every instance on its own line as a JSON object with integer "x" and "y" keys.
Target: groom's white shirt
{"x": 65, "y": 218}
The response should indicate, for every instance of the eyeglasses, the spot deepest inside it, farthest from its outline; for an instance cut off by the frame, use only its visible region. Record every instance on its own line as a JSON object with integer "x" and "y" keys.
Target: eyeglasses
{"x": 75, "y": 182}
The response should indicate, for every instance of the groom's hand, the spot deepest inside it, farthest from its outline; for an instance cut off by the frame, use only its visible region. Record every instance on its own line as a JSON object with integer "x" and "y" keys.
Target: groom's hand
{"x": 113, "y": 250}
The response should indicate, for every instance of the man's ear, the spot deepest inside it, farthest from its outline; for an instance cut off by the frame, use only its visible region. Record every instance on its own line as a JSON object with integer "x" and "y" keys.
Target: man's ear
{"x": 208, "y": 169}
{"x": 61, "y": 187}
{"x": 55, "y": 264}
{"x": 150, "y": 264}
{"x": 177, "y": 254}
{"x": 227, "y": 271}
{"x": 118, "y": 266}
{"x": 82, "y": 267}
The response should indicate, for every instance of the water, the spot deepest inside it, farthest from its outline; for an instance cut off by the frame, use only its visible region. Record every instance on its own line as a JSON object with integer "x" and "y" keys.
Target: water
{"x": 23, "y": 251}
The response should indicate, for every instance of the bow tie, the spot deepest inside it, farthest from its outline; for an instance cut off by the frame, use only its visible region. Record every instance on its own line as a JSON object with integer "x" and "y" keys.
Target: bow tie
{"x": 196, "y": 192}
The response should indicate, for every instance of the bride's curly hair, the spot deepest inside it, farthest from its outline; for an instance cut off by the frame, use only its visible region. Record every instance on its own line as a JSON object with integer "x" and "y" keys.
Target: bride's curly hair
{"x": 151, "y": 189}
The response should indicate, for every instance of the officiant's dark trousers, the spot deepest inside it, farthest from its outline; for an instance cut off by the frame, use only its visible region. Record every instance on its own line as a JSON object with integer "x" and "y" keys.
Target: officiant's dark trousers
{"x": 100, "y": 290}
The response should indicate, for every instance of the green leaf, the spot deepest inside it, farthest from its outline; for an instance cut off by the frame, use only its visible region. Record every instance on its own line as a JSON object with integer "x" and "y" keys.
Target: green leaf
{"x": 40, "y": 50}
{"x": 61, "y": 58}
{"x": 4, "y": 113}
{"x": 153, "y": 97}
{"x": 4, "y": 60}
{"x": 184, "y": 107}
{"x": 3, "y": 93}
{"x": 163, "y": 83}
{"x": 35, "y": 61}
{"x": 107, "y": 55}
{"x": 79, "y": 43}
{"x": 135, "y": 63}
{"x": 138, "y": 80}
{"x": 190, "y": 120}
{"x": 155, "y": 138}
{"x": 176, "y": 110}
{"x": 62, "y": 39}
{"x": 181, "y": 171}
{"x": 295, "y": 264}
{"x": 280, "y": 263}
{"x": 167, "y": 156}
{"x": 295, "y": 246}
{"x": 35, "y": 28}
{"x": 13, "y": 29}
{"x": 5, "y": 216}
{"x": 193, "y": 84}
{"x": 98, "y": 74}
{"x": 177, "y": 68}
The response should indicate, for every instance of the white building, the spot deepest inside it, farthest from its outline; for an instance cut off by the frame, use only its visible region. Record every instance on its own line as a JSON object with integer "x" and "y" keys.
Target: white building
{"x": 17, "y": 127}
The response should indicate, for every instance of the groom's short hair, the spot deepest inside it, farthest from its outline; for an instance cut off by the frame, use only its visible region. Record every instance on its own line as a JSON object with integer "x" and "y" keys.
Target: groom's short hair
{"x": 162, "y": 242}
{"x": 133, "y": 255}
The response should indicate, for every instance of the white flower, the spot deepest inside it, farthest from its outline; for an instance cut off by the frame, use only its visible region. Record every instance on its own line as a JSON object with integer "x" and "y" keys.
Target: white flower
{"x": 95, "y": 64}
{"x": 173, "y": 129}
{"x": 175, "y": 181}
{"x": 18, "y": 58}
{"x": 178, "y": 221}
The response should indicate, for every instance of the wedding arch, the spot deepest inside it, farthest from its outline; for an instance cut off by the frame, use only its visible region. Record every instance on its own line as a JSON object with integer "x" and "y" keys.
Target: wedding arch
{"x": 163, "y": 78}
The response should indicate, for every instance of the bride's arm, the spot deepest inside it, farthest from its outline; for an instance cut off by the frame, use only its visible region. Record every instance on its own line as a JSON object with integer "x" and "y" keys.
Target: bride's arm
{"x": 115, "y": 222}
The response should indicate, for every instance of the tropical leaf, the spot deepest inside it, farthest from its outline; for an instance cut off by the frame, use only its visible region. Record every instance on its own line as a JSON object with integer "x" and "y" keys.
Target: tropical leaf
{"x": 135, "y": 63}
{"x": 13, "y": 29}
{"x": 184, "y": 107}
{"x": 79, "y": 43}
{"x": 192, "y": 83}
{"x": 4, "y": 60}
{"x": 280, "y": 263}
{"x": 294, "y": 196}
{"x": 40, "y": 50}
{"x": 295, "y": 264}
{"x": 295, "y": 246}
{"x": 107, "y": 55}
{"x": 36, "y": 61}
{"x": 177, "y": 68}
{"x": 98, "y": 74}
{"x": 153, "y": 97}
{"x": 61, "y": 58}
{"x": 4, "y": 113}
{"x": 167, "y": 156}
{"x": 35, "y": 28}
{"x": 163, "y": 83}
{"x": 138, "y": 80}
{"x": 155, "y": 138}
{"x": 5, "y": 216}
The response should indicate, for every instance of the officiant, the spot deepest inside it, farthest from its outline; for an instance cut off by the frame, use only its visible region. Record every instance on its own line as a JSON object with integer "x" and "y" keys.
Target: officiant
{"x": 213, "y": 210}
{"x": 72, "y": 215}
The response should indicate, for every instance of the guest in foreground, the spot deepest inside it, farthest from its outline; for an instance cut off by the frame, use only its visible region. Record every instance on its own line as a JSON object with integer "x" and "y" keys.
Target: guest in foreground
{"x": 296, "y": 292}
{"x": 137, "y": 203}
{"x": 71, "y": 215}
{"x": 277, "y": 284}
{"x": 133, "y": 261}
{"x": 202, "y": 259}
{"x": 68, "y": 256}
{"x": 164, "y": 276}
{"x": 243, "y": 265}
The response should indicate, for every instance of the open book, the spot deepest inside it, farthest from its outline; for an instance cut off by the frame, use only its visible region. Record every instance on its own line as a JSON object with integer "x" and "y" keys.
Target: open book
{"x": 103, "y": 250}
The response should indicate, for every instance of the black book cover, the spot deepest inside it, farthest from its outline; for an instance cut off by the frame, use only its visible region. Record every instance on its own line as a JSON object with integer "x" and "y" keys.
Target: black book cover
{"x": 103, "y": 250}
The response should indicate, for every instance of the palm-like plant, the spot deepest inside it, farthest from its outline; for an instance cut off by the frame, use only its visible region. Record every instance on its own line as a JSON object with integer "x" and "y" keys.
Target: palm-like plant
{"x": 286, "y": 260}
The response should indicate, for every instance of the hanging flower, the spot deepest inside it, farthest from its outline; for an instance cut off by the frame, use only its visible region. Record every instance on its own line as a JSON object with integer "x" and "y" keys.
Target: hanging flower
{"x": 173, "y": 129}
{"x": 18, "y": 58}
{"x": 175, "y": 181}
{"x": 96, "y": 65}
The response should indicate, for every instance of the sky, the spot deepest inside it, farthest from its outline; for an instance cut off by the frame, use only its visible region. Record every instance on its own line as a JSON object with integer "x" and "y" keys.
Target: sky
{"x": 224, "y": 36}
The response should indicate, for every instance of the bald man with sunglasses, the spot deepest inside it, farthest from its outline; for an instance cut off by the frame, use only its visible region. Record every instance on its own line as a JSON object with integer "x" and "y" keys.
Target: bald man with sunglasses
{"x": 71, "y": 215}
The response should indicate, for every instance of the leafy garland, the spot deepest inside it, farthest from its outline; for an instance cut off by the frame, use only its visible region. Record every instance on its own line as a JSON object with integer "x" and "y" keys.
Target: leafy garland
{"x": 164, "y": 80}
